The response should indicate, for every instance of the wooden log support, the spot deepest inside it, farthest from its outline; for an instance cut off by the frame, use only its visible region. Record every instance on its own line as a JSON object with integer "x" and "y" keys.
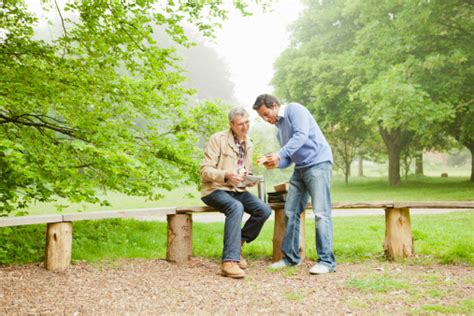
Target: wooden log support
{"x": 58, "y": 246}
{"x": 180, "y": 238}
{"x": 279, "y": 233}
{"x": 398, "y": 237}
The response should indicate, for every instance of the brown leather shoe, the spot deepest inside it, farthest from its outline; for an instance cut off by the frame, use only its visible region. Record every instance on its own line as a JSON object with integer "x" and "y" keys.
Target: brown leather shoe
{"x": 231, "y": 269}
{"x": 243, "y": 263}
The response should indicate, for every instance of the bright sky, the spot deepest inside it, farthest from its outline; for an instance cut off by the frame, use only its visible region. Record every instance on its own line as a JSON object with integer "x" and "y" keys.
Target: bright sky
{"x": 250, "y": 45}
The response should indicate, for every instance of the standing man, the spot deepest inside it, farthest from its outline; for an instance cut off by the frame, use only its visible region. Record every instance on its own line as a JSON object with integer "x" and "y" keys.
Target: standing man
{"x": 303, "y": 143}
{"x": 227, "y": 158}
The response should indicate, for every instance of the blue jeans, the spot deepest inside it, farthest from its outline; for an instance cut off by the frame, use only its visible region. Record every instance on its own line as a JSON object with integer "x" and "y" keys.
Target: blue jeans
{"x": 311, "y": 182}
{"x": 233, "y": 205}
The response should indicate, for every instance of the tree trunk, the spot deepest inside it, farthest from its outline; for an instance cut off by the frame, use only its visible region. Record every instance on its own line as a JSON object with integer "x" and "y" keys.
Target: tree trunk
{"x": 361, "y": 166}
{"x": 471, "y": 149}
{"x": 395, "y": 140}
{"x": 58, "y": 246}
{"x": 406, "y": 161}
{"x": 347, "y": 172}
{"x": 394, "y": 165}
{"x": 180, "y": 238}
{"x": 419, "y": 164}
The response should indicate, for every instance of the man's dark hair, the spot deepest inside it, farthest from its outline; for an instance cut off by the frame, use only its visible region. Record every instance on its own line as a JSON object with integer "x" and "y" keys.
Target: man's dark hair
{"x": 265, "y": 99}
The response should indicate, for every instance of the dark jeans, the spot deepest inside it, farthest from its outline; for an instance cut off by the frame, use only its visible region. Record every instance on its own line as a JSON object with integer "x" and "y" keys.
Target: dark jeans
{"x": 233, "y": 205}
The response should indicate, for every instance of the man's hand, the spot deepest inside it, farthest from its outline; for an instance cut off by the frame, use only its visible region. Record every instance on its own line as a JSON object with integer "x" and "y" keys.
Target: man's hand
{"x": 272, "y": 161}
{"x": 232, "y": 178}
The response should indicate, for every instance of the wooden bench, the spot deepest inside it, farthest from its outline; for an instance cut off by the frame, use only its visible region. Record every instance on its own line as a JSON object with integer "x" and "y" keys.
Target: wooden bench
{"x": 398, "y": 241}
{"x": 58, "y": 247}
{"x": 398, "y": 238}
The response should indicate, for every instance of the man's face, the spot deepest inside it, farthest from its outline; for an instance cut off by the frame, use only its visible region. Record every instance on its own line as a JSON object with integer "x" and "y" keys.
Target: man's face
{"x": 269, "y": 114}
{"x": 240, "y": 125}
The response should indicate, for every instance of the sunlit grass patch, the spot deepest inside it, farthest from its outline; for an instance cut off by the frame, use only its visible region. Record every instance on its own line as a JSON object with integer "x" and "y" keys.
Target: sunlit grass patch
{"x": 294, "y": 296}
{"x": 377, "y": 284}
{"x": 357, "y": 303}
{"x": 464, "y": 307}
{"x": 436, "y": 293}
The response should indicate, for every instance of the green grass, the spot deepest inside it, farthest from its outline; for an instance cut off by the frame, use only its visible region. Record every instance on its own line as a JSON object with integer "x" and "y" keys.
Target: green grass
{"x": 416, "y": 189}
{"x": 465, "y": 307}
{"x": 186, "y": 196}
{"x": 359, "y": 189}
{"x": 294, "y": 296}
{"x": 377, "y": 283}
{"x": 440, "y": 238}
{"x": 430, "y": 293}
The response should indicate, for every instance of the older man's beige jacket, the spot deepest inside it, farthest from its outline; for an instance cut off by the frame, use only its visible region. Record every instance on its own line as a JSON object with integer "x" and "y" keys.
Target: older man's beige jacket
{"x": 222, "y": 154}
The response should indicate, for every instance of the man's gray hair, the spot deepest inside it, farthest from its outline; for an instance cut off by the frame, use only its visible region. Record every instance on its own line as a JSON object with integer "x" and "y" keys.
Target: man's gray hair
{"x": 237, "y": 111}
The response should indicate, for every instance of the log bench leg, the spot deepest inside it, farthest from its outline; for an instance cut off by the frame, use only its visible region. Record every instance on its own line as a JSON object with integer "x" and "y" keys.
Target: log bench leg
{"x": 180, "y": 238}
{"x": 58, "y": 246}
{"x": 398, "y": 238}
{"x": 279, "y": 233}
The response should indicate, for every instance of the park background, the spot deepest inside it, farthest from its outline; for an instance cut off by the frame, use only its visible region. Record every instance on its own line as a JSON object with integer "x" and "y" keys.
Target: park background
{"x": 107, "y": 105}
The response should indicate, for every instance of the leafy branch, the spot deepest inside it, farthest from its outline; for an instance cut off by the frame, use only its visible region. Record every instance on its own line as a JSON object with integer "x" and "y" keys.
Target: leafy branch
{"x": 40, "y": 122}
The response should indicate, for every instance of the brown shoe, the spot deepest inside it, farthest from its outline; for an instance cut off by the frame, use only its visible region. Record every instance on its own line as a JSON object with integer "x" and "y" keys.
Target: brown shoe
{"x": 231, "y": 269}
{"x": 243, "y": 263}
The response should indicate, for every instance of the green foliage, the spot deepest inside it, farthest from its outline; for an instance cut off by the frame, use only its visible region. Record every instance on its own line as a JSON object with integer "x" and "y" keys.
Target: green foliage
{"x": 22, "y": 244}
{"x": 403, "y": 67}
{"x": 102, "y": 105}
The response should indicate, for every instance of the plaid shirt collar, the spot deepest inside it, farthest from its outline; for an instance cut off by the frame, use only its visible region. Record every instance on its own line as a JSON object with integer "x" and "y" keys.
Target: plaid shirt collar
{"x": 242, "y": 146}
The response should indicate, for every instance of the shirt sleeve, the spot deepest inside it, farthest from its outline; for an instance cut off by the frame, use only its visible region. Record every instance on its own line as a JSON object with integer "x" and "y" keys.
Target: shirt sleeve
{"x": 284, "y": 162}
{"x": 300, "y": 125}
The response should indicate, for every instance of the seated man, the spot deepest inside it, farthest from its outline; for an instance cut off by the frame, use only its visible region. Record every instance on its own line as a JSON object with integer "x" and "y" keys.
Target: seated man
{"x": 227, "y": 157}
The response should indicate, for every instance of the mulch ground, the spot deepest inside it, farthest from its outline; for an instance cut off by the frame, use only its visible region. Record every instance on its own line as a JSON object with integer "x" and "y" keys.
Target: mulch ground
{"x": 159, "y": 287}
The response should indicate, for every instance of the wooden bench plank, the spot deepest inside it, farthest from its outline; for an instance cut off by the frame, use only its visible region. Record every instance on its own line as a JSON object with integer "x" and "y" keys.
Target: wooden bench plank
{"x": 434, "y": 204}
{"x": 338, "y": 205}
{"x": 194, "y": 209}
{"x": 30, "y": 220}
{"x": 347, "y": 205}
{"x": 118, "y": 214}
{"x": 353, "y": 205}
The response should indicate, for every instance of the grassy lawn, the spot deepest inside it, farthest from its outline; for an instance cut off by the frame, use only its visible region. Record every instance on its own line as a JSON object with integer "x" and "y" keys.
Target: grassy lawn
{"x": 359, "y": 189}
{"x": 415, "y": 189}
{"x": 440, "y": 238}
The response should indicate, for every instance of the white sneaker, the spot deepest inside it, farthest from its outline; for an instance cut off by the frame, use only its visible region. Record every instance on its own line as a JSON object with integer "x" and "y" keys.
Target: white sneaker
{"x": 319, "y": 268}
{"x": 282, "y": 264}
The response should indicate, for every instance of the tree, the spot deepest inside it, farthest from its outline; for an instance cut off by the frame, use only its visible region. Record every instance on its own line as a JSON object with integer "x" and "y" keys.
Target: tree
{"x": 407, "y": 65}
{"x": 423, "y": 52}
{"x": 462, "y": 128}
{"x": 103, "y": 105}
{"x": 314, "y": 72}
